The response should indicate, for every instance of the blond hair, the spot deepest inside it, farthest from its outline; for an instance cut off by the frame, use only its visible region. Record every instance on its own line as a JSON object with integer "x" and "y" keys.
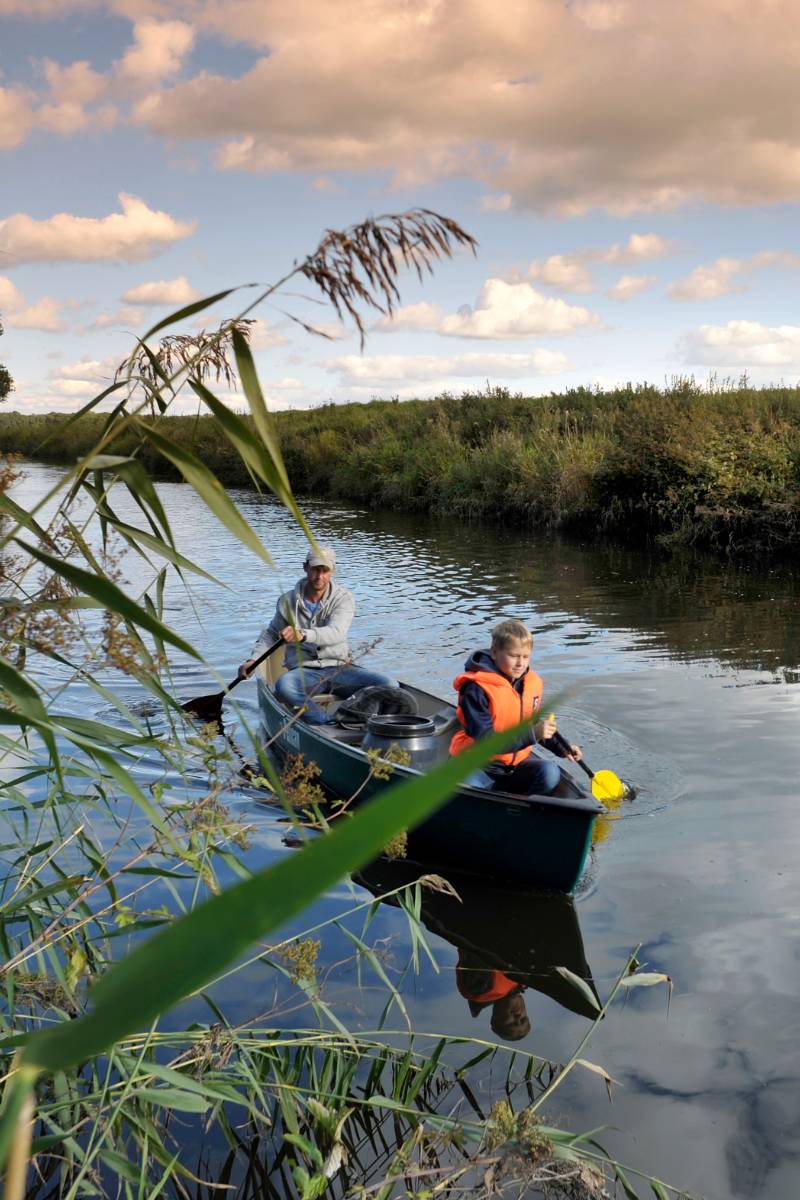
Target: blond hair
{"x": 510, "y": 631}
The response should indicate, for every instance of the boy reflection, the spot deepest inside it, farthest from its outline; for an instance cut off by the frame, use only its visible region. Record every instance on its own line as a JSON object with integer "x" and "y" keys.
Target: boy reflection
{"x": 482, "y": 986}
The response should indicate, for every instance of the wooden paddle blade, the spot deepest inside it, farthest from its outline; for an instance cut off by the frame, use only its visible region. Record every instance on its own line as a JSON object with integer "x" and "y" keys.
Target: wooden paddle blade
{"x": 607, "y": 787}
{"x": 206, "y": 708}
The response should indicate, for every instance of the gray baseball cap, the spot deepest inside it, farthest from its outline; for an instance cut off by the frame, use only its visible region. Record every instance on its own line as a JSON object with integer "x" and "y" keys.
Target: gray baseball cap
{"x": 323, "y": 556}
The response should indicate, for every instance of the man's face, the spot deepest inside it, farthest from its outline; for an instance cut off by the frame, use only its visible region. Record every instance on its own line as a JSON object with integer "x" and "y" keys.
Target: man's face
{"x": 318, "y": 579}
{"x": 514, "y": 659}
{"x": 509, "y": 1018}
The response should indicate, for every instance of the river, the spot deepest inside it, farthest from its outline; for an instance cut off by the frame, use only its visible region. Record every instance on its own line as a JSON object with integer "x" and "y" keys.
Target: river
{"x": 680, "y": 674}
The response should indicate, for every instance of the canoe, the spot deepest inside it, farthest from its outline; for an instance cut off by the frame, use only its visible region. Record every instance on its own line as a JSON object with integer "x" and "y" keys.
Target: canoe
{"x": 526, "y": 936}
{"x": 521, "y": 841}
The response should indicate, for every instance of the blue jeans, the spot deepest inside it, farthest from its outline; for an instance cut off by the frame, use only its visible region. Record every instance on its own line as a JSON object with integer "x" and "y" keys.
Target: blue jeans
{"x": 533, "y": 777}
{"x": 295, "y": 688}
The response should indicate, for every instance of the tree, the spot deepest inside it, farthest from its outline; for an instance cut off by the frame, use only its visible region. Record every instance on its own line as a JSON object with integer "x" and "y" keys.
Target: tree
{"x": 6, "y": 382}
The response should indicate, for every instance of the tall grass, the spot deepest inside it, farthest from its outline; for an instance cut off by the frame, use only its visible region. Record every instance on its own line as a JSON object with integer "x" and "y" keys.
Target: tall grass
{"x": 104, "y": 932}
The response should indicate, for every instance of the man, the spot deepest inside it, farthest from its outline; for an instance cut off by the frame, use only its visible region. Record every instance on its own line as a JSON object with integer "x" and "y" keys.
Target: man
{"x": 313, "y": 620}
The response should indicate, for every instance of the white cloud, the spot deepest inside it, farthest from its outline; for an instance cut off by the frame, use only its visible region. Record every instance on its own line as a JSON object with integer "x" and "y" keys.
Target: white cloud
{"x": 502, "y": 310}
{"x": 10, "y": 295}
{"x": 123, "y": 318}
{"x": 562, "y": 271}
{"x": 164, "y": 291}
{"x": 706, "y": 283}
{"x": 748, "y": 344}
{"x": 628, "y": 286}
{"x": 93, "y": 370}
{"x": 638, "y": 248}
{"x": 413, "y": 316}
{"x": 133, "y": 235}
{"x": 500, "y": 203}
{"x": 73, "y": 388}
{"x": 581, "y": 106}
{"x": 43, "y": 315}
{"x": 158, "y": 50}
{"x": 263, "y": 336}
{"x": 569, "y": 272}
{"x": 375, "y": 371}
{"x": 515, "y": 310}
{"x": 16, "y": 117}
{"x": 72, "y": 89}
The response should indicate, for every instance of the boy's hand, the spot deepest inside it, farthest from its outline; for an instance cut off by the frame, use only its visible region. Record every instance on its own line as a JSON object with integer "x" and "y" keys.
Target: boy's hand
{"x": 576, "y": 755}
{"x": 545, "y": 728}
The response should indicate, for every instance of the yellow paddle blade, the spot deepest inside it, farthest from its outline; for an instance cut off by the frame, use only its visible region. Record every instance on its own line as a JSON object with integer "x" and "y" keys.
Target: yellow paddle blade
{"x": 607, "y": 787}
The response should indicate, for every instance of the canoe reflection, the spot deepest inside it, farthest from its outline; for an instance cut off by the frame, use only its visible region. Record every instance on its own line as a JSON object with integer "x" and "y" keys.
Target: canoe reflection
{"x": 507, "y": 942}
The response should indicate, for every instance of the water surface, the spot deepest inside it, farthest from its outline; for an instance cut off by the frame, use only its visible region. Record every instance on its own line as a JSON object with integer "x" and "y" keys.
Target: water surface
{"x": 681, "y": 675}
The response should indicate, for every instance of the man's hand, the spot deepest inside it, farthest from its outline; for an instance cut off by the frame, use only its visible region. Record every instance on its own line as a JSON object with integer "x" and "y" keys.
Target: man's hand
{"x": 290, "y": 634}
{"x": 245, "y": 670}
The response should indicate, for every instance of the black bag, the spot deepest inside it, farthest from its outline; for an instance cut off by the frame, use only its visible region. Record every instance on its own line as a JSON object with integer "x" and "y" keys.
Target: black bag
{"x": 376, "y": 700}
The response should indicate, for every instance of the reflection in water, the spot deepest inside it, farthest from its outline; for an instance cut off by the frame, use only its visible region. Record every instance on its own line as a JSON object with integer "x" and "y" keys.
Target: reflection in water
{"x": 683, "y": 606}
{"x": 507, "y": 942}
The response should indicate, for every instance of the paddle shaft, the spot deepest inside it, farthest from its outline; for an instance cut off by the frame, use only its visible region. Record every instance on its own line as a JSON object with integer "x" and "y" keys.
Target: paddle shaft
{"x": 564, "y": 745}
{"x": 261, "y": 658}
{"x": 210, "y": 707}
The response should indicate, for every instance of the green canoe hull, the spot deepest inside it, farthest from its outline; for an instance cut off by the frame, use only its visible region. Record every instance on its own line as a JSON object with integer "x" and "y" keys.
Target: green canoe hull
{"x": 539, "y": 842}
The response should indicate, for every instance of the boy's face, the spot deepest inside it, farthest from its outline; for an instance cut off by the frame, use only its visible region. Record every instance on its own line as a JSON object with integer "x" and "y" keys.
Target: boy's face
{"x": 514, "y": 659}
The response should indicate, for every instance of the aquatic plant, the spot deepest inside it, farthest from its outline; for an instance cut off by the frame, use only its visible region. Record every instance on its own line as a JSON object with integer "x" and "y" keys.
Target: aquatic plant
{"x": 105, "y": 934}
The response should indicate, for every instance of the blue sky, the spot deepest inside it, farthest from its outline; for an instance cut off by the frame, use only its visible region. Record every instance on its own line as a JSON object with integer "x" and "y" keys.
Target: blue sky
{"x": 631, "y": 173}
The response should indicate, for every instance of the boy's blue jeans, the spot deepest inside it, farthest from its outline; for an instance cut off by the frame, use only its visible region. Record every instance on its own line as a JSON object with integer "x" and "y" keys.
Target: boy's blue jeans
{"x": 295, "y": 688}
{"x": 533, "y": 777}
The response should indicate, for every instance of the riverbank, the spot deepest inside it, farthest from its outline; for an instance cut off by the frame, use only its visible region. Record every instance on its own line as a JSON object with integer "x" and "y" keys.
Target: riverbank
{"x": 718, "y": 469}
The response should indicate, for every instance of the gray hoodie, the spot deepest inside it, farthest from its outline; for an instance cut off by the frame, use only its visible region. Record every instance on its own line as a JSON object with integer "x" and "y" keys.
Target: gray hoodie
{"x": 325, "y": 641}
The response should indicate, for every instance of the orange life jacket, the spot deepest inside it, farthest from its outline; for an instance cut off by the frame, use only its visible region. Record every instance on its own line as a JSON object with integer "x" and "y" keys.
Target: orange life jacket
{"x": 499, "y": 985}
{"x": 507, "y": 706}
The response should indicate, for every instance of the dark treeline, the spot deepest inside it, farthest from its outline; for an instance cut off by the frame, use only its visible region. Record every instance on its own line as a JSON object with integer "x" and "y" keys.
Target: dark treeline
{"x": 709, "y": 467}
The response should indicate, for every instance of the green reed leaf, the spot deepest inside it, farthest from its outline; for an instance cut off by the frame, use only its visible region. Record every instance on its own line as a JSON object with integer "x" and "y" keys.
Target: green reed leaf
{"x": 260, "y": 459}
{"x": 138, "y": 482}
{"x": 175, "y": 1098}
{"x": 209, "y": 489}
{"x": 23, "y": 518}
{"x": 279, "y": 477}
{"x": 28, "y": 705}
{"x": 255, "y": 398}
{"x": 132, "y": 535}
{"x": 110, "y": 596}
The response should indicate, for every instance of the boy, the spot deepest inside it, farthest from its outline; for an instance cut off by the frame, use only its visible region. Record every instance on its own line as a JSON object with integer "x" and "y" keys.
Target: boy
{"x": 496, "y": 691}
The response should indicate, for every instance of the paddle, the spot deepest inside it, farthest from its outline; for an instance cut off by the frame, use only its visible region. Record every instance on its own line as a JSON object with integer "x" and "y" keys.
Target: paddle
{"x": 209, "y": 708}
{"x": 606, "y": 786}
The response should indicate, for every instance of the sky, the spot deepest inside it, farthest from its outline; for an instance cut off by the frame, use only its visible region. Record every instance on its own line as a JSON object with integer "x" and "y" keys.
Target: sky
{"x": 631, "y": 172}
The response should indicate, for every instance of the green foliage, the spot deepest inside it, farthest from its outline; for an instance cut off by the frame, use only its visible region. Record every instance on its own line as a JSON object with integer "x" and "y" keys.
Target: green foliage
{"x": 6, "y": 383}
{"x": 716, "y": 467}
